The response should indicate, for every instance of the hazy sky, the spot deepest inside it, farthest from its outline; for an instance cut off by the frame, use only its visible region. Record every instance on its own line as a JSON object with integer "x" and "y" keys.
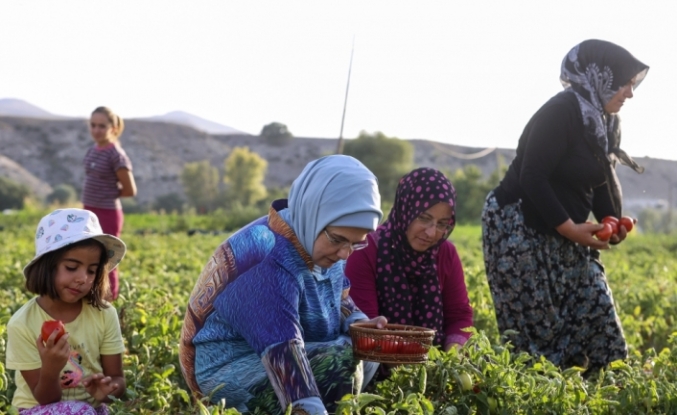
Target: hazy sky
{"x": 468, "y": 73}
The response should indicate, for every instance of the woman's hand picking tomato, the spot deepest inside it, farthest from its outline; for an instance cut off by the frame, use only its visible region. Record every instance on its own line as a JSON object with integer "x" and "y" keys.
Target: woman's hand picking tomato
{"x": 613, "y": 222}
{"x": 582, "y": 233}
{"x": 627, "y": 222}
{"x": 605, "y": 233}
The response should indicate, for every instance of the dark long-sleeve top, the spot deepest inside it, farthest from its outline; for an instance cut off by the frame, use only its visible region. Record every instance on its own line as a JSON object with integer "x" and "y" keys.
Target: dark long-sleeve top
{"x": 361, "y": 271}
{"x": 555, "y": 172}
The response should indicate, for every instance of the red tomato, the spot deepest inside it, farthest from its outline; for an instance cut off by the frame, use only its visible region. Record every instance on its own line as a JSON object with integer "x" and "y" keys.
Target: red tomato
{"x": 613, "y": 222}
{"x": 412, "y": 347}
{"x": 605, "y": 233}
{"x": 389, "y": 344}
{"x": 50, "y": 326}
{"x": 627, "y": 222}
{"x": 366, "y": 344}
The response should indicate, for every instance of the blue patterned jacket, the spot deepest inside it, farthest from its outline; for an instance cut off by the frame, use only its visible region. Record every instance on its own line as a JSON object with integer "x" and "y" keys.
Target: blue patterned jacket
{"x": 258, "y": 304}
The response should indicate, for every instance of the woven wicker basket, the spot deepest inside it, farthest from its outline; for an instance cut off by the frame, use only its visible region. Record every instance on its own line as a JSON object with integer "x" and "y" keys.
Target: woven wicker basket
{"x": 396, "y": 343}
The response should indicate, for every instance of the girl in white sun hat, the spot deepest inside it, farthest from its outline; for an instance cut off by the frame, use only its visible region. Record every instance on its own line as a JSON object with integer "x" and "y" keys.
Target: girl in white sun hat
{"x": 75, "y": 367}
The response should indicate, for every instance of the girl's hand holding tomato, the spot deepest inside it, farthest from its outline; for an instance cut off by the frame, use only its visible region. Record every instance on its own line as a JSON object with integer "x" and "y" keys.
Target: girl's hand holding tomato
{"x": 53, "y": 353}
{"x": 51, "y": 326}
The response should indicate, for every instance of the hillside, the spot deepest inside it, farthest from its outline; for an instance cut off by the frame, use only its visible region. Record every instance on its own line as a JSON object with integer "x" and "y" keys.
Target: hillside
{"x": 19, "y": 108}
{"x": 52, "y": 151}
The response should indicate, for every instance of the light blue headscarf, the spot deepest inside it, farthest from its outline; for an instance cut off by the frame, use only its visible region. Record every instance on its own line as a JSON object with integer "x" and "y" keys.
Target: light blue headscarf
{"x": 332, "y": 191}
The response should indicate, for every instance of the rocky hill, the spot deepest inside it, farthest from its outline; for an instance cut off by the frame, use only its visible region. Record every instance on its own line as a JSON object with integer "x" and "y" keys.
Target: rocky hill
{"x": 48, "y": 152}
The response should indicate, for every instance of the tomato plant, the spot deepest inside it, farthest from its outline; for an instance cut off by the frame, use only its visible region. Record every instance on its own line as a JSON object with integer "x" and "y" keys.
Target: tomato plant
{"x": 162, "y": 265}
{"x": 50, "y": 326}
{"x": 366, "y": 344}
{"x": 605, "y": 233}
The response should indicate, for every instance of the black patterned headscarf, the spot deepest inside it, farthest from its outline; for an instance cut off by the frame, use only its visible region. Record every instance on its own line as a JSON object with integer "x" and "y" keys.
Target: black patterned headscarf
{"x": 407, "y": 282}
{"x": 594, "y": 71}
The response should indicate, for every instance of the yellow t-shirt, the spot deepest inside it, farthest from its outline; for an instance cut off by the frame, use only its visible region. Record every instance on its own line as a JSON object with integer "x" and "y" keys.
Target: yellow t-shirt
{"x": 92, "y": 334}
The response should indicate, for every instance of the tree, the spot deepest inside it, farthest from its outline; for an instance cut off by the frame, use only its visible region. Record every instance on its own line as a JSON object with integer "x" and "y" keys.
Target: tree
{"x": 63, "y": 194}
{"x": 276, "y": 133}
{"x": 201, "y": 184}
{"x": 244, "y": 174}
{"x": 12, "y": 194}
{"x": 472, "y": 190}
{"x": 388, "y": 158}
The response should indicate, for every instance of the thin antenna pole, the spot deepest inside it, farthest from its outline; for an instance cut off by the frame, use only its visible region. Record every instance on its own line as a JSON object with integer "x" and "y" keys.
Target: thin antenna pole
{"x": 339, "y": 147}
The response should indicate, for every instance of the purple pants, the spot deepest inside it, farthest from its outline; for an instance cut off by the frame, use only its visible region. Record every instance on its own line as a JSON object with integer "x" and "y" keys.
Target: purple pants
{"x": 65, "y": 408}
{"x": 111, "y": 223}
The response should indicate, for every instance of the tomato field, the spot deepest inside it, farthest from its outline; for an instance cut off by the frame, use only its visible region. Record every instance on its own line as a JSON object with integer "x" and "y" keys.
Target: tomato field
{"x": 482, "y": 378}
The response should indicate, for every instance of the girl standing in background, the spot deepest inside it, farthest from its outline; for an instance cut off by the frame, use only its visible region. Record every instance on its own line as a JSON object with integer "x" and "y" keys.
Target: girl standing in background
{"x": 108, "y": 177}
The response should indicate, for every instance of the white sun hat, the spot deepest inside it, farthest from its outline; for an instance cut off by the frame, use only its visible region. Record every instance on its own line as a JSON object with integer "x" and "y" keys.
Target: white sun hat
{"x": 67, "y": 226}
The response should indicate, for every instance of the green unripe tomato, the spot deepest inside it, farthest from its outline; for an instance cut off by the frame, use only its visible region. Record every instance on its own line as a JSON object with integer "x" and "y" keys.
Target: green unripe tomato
{"x": 466, "y": 381}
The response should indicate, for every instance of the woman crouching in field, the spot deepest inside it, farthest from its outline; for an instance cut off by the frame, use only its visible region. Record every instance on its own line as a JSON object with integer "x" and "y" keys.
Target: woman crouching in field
{"x": 267, "y": 322}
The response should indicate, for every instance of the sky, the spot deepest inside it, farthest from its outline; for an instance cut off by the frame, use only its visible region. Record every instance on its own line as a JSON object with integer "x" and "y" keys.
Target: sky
{"x": 465, "y": 73}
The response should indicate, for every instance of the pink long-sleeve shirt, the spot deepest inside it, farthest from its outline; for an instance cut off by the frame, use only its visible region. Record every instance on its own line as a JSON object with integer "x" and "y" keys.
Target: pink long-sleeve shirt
{"x": 361, "y": 271}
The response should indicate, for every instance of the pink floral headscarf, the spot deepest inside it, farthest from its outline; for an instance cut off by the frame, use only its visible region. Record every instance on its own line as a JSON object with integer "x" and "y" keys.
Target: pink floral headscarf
{"x": 407, "y": 282}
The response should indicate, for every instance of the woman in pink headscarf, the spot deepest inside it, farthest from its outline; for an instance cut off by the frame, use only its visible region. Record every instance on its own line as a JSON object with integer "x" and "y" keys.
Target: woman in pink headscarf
{"x": 410, "y": 272}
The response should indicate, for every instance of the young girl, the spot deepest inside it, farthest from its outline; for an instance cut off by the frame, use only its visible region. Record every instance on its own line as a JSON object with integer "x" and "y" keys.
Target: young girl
{"x": 108, "y": 176}
{"x": 76, "y": 373}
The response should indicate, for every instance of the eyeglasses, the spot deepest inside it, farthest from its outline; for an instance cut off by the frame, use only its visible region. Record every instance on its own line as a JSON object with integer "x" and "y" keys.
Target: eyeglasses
{"x": 343, "y": 244}
{"x": 440, "y": 227}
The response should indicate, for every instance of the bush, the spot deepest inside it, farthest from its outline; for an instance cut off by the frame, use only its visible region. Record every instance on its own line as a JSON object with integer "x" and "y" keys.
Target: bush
{"x": 170, "y": 203}
{"x": 12, "y": 194}
{"x": 63, "y": 194}
{"x": 130, "y": 205}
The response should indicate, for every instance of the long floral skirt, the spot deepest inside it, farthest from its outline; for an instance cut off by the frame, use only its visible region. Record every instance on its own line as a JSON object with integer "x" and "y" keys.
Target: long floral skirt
{"x": 550, "y": 290}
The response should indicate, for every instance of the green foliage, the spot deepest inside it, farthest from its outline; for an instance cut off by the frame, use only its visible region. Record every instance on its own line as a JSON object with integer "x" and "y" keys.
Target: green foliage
{"x": 12, "y": 194}
{"x": 471, "y": 191}
{"x": 163, "y": 263}
{"x": 130, "y": 205}
{"x": 63, "y": 194}
{"x": 200, "y": 182}
{"x": 657, "y": 220}
{"x": 170, "y": 203}
{"x": 276, "y": 133}
{"x": 244, "y": 174}
{"x": 388, "y": 158}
